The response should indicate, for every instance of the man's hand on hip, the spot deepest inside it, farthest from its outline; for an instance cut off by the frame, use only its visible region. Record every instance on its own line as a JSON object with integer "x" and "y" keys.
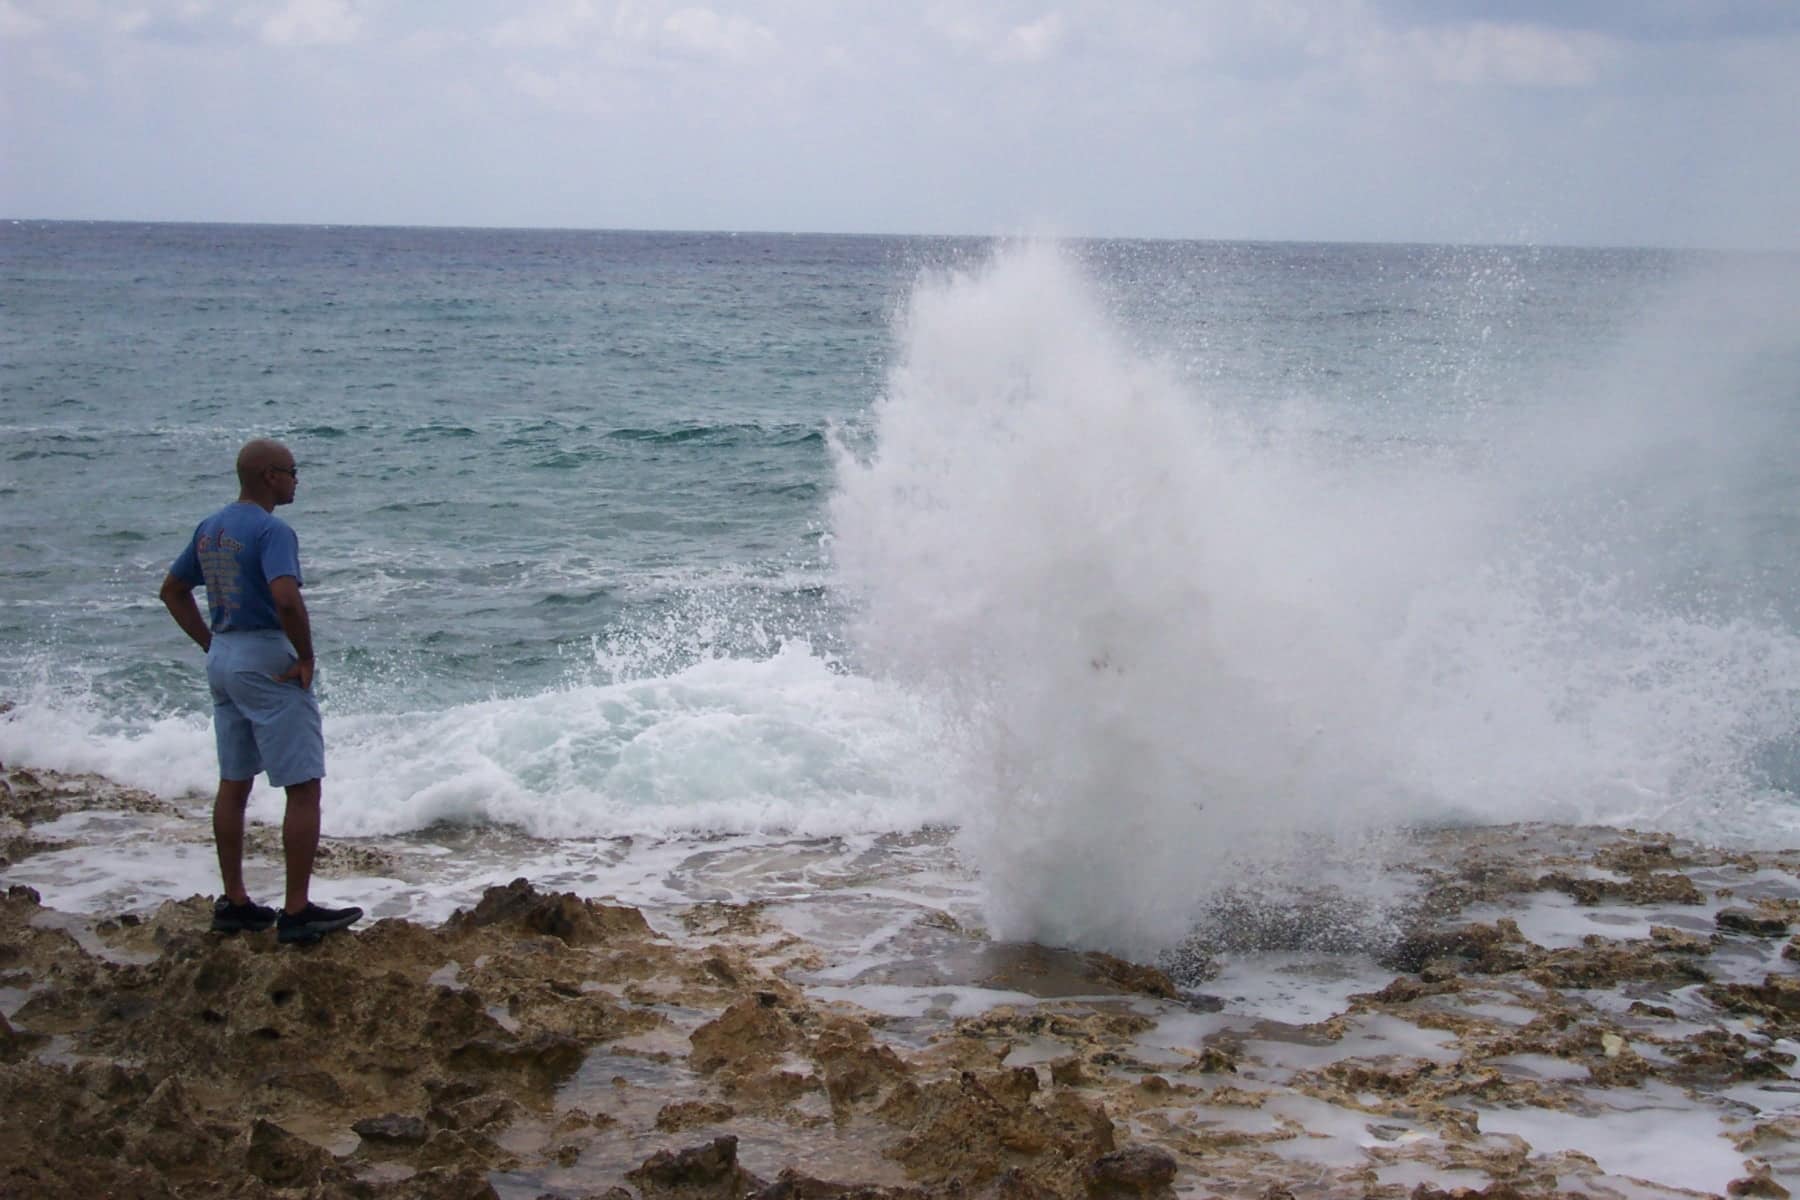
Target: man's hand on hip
{"x": 301, "y": 672}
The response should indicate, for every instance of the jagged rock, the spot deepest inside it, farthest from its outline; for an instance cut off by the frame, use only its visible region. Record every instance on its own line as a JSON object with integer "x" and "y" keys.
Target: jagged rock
{"x": 1674, "y": 941}
{"x": 316, "y": 1086}
{"x": 795, "y": 1185}
{"x": 442, "y": 1183}
{"x": 1015, "y": 1085}
{"x": 545, "y": 1059}
{"x": 564, "y": 916}
{"x": 1487, "y": 949}
{"x": 1498, "y": 1190}
{"x": 1135, "y": 977}
{"x": 689, "y": 1114}
{"x": 1406, "y": 989}
{"x": 1759, "y": 1184}
{"x": 458, "y": 1149}
{"x": 975, "y": 1128}
{"x": 1637, "y": 858}
{"x": 1775, "y": 999}
{"x": 1716, "y": 1056}
{"x": 163, "y": 1133}
{"x": 1745, "y": 920}
{"x": 280, "y": 1159}
{"x": 750, "y": 1035}
{"x": 1662, "y": 887}
{"x": 459, "y": 1108}
{"x": 1598, "y": 962}
{"x": 1396, "y": 1079}
{"x": 392, "y": 1129}
{"x": 710, "y": 1171}
{"x": 1133, "y": 1171}
{"x": 177, "y": 1040}
{"x": 1215, "y": 1060}
{"x": 857, "y": 1071}
{"x": 16, "y": 1044}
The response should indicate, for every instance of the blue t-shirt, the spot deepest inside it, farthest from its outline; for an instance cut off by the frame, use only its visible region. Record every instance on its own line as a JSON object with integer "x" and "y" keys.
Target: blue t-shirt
{"x": 235, "y": 552}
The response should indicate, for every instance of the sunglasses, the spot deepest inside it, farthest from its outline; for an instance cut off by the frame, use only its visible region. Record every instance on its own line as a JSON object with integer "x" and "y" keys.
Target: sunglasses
{"x": 290, "y": 471}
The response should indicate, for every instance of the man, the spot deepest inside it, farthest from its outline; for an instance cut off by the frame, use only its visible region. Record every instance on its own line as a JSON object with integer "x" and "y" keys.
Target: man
{"x": 259, "y": 662}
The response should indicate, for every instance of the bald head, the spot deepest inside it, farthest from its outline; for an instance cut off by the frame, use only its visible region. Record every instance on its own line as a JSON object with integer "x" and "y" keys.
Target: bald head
{"x": 260, "y": 455}
{"x": 266, "y": 474}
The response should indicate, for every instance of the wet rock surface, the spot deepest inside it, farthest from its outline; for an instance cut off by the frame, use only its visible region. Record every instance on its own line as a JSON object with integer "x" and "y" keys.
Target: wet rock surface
{"x": 541, "y": 1044}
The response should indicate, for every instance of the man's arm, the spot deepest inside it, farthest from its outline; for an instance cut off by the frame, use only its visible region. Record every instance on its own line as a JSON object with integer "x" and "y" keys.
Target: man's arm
{"x": 178, "y": 597}
{"x": 290, "y": 610}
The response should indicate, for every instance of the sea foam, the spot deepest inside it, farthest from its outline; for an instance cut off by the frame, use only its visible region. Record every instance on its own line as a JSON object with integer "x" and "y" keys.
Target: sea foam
{"x": 785, "y": 743}
{"x": 1190, "y": 656}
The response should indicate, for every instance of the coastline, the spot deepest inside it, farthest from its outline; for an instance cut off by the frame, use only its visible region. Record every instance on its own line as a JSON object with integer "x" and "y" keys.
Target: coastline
{"x": 1573, "y": 1011}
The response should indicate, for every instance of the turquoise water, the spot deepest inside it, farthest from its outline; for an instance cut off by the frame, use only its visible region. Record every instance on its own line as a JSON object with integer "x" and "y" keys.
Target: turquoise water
{"x": 636, "y": 533}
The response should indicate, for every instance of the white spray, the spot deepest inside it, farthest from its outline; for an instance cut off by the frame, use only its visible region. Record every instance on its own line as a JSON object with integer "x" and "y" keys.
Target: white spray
{"x": 1185, "y": 657}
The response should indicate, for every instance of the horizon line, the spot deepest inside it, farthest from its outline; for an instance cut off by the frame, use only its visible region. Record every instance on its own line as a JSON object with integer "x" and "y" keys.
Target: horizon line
{"x": 872, "y": 234}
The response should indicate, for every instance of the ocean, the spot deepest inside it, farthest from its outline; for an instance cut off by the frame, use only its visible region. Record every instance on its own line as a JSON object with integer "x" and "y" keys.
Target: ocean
{"x": 1073, "y": 586}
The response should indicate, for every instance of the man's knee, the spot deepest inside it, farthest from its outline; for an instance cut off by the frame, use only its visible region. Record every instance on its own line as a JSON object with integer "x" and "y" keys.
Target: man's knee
{"x": 306, "y": 793}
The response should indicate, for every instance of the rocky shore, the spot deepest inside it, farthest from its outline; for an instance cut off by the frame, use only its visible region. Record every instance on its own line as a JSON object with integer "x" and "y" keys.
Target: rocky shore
{"x": 550, "y": 1045}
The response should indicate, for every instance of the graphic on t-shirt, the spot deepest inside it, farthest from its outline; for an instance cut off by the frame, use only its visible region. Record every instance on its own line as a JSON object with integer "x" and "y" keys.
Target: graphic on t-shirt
{"x": 219, "y": 564}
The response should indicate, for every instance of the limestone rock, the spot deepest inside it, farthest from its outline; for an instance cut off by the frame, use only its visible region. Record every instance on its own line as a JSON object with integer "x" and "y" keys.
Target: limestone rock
{"x": 393, "y": 1129}
{"x": 280, "y": 1159}
{"x": 750, "y": 1035}
{"x": 564, "y": 916}
{"x": 1133, "y": 1171}
{"x": 1134, "y": 977}
{"x": 1746, "y": 920}
{"x": 1759, "y": 1184}
{"x": 706, "y": 1172}
{"x": 543, "y": 1060}
{"x": 691, "y": 1114}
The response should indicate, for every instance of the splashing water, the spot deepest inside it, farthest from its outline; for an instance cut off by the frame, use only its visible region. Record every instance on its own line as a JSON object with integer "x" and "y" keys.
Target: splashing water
{"x": 1187, "y": 655}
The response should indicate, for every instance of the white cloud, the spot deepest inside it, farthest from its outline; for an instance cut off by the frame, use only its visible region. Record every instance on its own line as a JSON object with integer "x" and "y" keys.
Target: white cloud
{"x": 1512, "y": 55}
{"x": 15, "y": 22}
{"x": 1033, "y": 42}
{"x": 1210, "y": 116}
{"x": 970, "y": 31}
{"x": 312, "y": 23}
{"x": 965, "y": 31}
{"x": 703, "y": 32}
{"x": 583, "y": 24}
{"x": 428, "y": 42}
{"x": 566, "y": 90}
{"x": 551, "y": 26}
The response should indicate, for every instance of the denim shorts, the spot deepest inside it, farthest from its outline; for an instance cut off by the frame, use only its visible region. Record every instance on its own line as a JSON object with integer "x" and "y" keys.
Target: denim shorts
{"x": 260, "y": 724}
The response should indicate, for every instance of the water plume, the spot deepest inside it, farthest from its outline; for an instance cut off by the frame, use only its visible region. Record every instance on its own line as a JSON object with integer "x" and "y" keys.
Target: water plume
{"x": 1186, "y": 654}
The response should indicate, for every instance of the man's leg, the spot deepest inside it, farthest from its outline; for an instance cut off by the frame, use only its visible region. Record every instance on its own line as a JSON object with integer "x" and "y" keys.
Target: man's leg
{"x": 300, "y": 841}
{"x": 228, "y": 835}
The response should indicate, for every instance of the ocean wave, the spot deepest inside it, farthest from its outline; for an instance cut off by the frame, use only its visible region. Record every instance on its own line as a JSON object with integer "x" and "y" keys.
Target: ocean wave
{"x": 782, "y": 743}
{"x": 31, "y": 455}
{"x": 729, "y": 434}
{"x": 576, "y": 599}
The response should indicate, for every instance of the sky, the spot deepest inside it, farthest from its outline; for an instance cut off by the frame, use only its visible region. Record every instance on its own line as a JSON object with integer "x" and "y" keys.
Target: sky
{"x": 1604, "y": 122}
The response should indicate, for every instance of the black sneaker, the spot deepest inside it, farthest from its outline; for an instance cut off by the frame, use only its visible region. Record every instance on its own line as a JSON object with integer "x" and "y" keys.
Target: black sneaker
{"x": 313, "y": 923}
{"x": 240, "y": 918}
